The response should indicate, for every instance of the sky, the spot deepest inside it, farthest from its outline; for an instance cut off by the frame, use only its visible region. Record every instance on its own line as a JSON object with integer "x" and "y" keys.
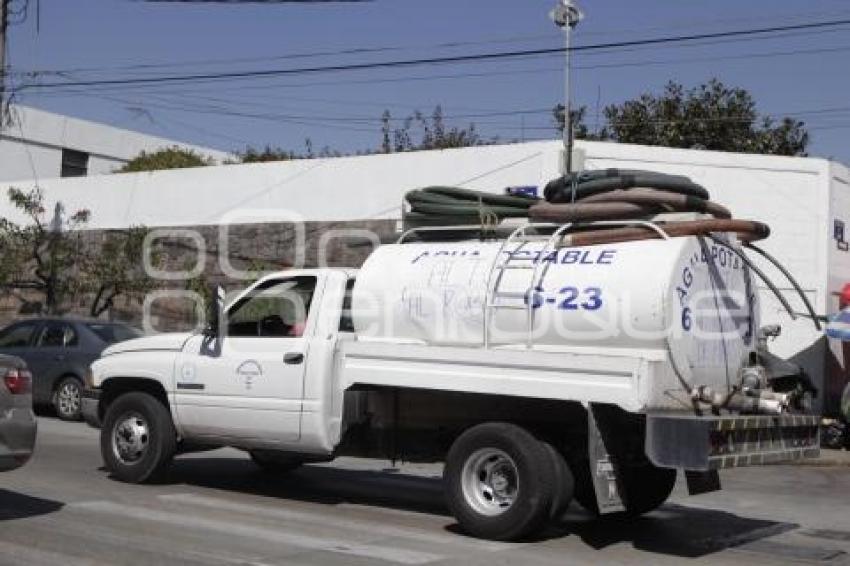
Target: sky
{"x": 804, "y": 74}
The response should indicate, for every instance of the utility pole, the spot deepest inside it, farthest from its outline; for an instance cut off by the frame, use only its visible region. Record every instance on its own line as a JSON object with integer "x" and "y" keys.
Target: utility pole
{"x": 566, "y": 16}
{"x": 4, "y": 25}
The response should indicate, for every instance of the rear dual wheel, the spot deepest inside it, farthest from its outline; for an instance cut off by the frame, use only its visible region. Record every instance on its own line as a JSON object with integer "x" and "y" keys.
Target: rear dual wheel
{"x": 503, "y": 484}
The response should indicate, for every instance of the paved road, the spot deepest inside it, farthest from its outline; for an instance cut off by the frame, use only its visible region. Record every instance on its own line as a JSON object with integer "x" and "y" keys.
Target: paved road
{"x": 217, "y": 509}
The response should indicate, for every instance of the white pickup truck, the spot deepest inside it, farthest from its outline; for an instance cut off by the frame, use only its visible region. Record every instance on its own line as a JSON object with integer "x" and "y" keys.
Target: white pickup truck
{"x": 538, "y": 373}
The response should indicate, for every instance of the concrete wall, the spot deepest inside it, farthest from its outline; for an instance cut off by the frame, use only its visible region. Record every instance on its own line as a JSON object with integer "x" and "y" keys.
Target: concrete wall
{"x": 31, "y": 147}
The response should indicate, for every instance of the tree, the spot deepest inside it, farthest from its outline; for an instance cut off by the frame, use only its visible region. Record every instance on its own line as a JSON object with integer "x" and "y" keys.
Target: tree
{"x": 432, "y": 133}
{"x": 51, "y": 262}
{"x": 251, "y": 155}
{"x": 580, "y": 130}
{"x": 711, "y": 116}
{"x": 169, "y": 158}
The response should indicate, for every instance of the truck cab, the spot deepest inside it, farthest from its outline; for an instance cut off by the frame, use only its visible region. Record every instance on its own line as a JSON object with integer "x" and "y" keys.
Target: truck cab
{"x": 251, "y": 386}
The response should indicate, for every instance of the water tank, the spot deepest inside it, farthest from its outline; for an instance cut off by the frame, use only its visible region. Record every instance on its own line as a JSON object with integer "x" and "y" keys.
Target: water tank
{"x": 690, "y": 297}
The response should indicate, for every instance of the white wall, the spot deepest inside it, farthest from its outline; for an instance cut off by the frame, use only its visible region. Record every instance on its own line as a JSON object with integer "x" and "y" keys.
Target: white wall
{"x": 31, "y": 147}
{"x": 348, "y": 188}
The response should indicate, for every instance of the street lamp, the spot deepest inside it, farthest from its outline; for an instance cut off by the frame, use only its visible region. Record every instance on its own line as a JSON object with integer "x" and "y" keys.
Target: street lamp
{"x": 566, "y": 16}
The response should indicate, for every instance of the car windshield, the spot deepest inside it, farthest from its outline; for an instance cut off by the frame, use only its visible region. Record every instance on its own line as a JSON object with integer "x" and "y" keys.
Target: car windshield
{"x": 113, "y": 333}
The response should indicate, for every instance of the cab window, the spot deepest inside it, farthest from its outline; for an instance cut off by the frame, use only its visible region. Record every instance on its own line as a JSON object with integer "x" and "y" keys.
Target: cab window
{"x": 17, "y": 335}
{"x": 57, "y": 335}
{"x": 275, "y": 309}
{"x": 346, "y": 322}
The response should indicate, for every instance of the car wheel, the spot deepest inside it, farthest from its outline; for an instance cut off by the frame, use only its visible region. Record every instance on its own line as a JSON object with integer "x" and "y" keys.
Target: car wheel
{"x": 499, "y": 482}
{"x": 275, "y": 462}
{"x": 138, "y": 439}
{"x": 67, "y": 399}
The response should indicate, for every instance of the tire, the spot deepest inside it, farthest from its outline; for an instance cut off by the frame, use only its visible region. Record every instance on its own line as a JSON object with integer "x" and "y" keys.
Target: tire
{"x": 137, "y": 440}
{"x": 646, "y": 488}
{"x": 499, "y": 482}
{"x": 68, "y": 398}
{"x": 563, "y": 483}
{"x": 275, "y": 462}
{"x": 834, "y": 436}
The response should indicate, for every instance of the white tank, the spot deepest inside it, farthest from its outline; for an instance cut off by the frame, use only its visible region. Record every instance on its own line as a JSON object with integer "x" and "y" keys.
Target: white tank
{"x": 690, "y": 297}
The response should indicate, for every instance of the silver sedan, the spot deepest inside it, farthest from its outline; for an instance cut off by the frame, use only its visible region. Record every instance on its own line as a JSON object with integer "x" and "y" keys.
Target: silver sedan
{"x": 17, "y": 421}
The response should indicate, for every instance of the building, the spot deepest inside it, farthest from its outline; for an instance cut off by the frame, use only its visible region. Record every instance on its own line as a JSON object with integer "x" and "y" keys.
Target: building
{"x": 806, "y": 201}
{"x": 42, "y": 145}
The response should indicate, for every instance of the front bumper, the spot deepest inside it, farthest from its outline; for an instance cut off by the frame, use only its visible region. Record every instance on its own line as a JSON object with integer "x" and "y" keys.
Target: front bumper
{"x": 703, "y": 443}
{"x": 90, "y": 403}
{"x": 18, "y": 429}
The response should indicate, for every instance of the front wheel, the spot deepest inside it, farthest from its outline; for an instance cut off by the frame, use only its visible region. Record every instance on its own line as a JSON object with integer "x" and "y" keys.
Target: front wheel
{"x": 499, "y": 482}
{"x": 137, "y": 440}
{"x": 67, "y": 399}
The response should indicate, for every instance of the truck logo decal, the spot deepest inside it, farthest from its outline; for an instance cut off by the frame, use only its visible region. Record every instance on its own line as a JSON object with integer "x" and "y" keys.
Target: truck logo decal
{"x": 248, "y": 371}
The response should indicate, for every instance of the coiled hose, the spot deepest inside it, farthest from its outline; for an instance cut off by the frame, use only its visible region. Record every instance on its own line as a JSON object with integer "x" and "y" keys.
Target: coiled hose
{"x": 610, "y": 194}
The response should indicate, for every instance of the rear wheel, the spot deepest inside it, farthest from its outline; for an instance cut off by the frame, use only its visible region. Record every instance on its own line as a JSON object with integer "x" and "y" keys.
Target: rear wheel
{"x": 275, "y": 462}
{"x": 563, "y": 483}
{"x": 646, "y": 487}
{"x": 137, "y": 440}
{"x": 499, "y": 482}
{"x": 67, "y": 399}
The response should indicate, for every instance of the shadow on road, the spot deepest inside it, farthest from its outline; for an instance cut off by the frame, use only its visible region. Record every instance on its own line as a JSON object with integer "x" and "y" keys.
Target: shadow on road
{"x": 15, "y": 505}
{"x": 315, "y": 484}
{"x": 674, "y": 530}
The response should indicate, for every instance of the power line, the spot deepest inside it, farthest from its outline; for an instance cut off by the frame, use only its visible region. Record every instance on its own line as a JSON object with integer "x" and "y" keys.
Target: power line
{"x": 437, "y": 60}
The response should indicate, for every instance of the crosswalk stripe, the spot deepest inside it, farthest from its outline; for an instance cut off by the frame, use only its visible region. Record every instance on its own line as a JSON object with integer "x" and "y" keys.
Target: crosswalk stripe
{"x": 339, "y": 546}
{"x": 324, "y": 519}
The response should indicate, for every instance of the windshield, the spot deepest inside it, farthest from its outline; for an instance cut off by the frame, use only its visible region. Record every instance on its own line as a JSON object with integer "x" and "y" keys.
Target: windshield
{"x": 114, "y": 333}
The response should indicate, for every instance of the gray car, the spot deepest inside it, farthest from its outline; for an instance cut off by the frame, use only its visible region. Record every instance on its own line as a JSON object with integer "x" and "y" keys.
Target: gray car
{"x": 58, "y": 352}
{"x": 17, "y": 421}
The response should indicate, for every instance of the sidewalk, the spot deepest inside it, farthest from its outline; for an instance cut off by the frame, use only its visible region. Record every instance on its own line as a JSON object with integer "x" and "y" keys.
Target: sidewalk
{"x": 828, "y": 457}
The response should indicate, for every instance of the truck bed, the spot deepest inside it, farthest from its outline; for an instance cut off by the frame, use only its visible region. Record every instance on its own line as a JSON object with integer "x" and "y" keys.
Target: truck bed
{"x": 637, "y": 380}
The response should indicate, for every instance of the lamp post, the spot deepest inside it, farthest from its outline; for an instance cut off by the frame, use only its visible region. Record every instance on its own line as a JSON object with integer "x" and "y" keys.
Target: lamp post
{"x": 566, "y": 16}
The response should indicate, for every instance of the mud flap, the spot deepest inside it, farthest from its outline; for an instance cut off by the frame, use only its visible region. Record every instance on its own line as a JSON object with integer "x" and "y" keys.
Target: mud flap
{"x": 603, "y": 472}
{"x": 702, "y": 482}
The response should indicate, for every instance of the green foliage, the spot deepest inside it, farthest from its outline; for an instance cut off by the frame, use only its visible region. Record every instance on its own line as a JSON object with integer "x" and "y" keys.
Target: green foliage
{"x": 51, "y": 262}
{"x": 169, "y": 158}
{"x": 251, "y": 155}
{"x": 580, "y": 130}
{"x": 420, "y": 132}
{"x": 711, "y": 116}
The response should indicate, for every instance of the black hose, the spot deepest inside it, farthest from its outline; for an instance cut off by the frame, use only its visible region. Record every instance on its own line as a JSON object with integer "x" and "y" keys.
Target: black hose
{"x": 760, "y": 273}
{"x": 791, "y": 280}
{"x": 576, "y": 186}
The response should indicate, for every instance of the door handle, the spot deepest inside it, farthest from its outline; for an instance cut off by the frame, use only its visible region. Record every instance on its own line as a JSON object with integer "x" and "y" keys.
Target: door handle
{"x": 293, "y": 358}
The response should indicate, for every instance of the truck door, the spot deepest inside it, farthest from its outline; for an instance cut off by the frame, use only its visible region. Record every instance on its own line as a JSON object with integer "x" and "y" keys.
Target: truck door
{"x": 249, "y": 384}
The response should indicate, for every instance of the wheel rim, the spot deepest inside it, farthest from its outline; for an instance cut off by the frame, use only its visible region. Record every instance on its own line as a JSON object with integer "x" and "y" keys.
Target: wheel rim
{"x": 68, "y": 399}
{"x": 490, "y": 481}
{"x": 130, "y": 438}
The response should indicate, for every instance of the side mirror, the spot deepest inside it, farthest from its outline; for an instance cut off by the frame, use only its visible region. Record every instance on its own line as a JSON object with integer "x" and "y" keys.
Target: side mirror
{"x": 215, "y": 309}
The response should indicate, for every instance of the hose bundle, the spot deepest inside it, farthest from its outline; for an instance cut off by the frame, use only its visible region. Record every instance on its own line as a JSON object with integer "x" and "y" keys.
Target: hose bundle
{"x": 453, "y": 205}
{"x": 628, "y": 194}
{"x": 609, "y": 194}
